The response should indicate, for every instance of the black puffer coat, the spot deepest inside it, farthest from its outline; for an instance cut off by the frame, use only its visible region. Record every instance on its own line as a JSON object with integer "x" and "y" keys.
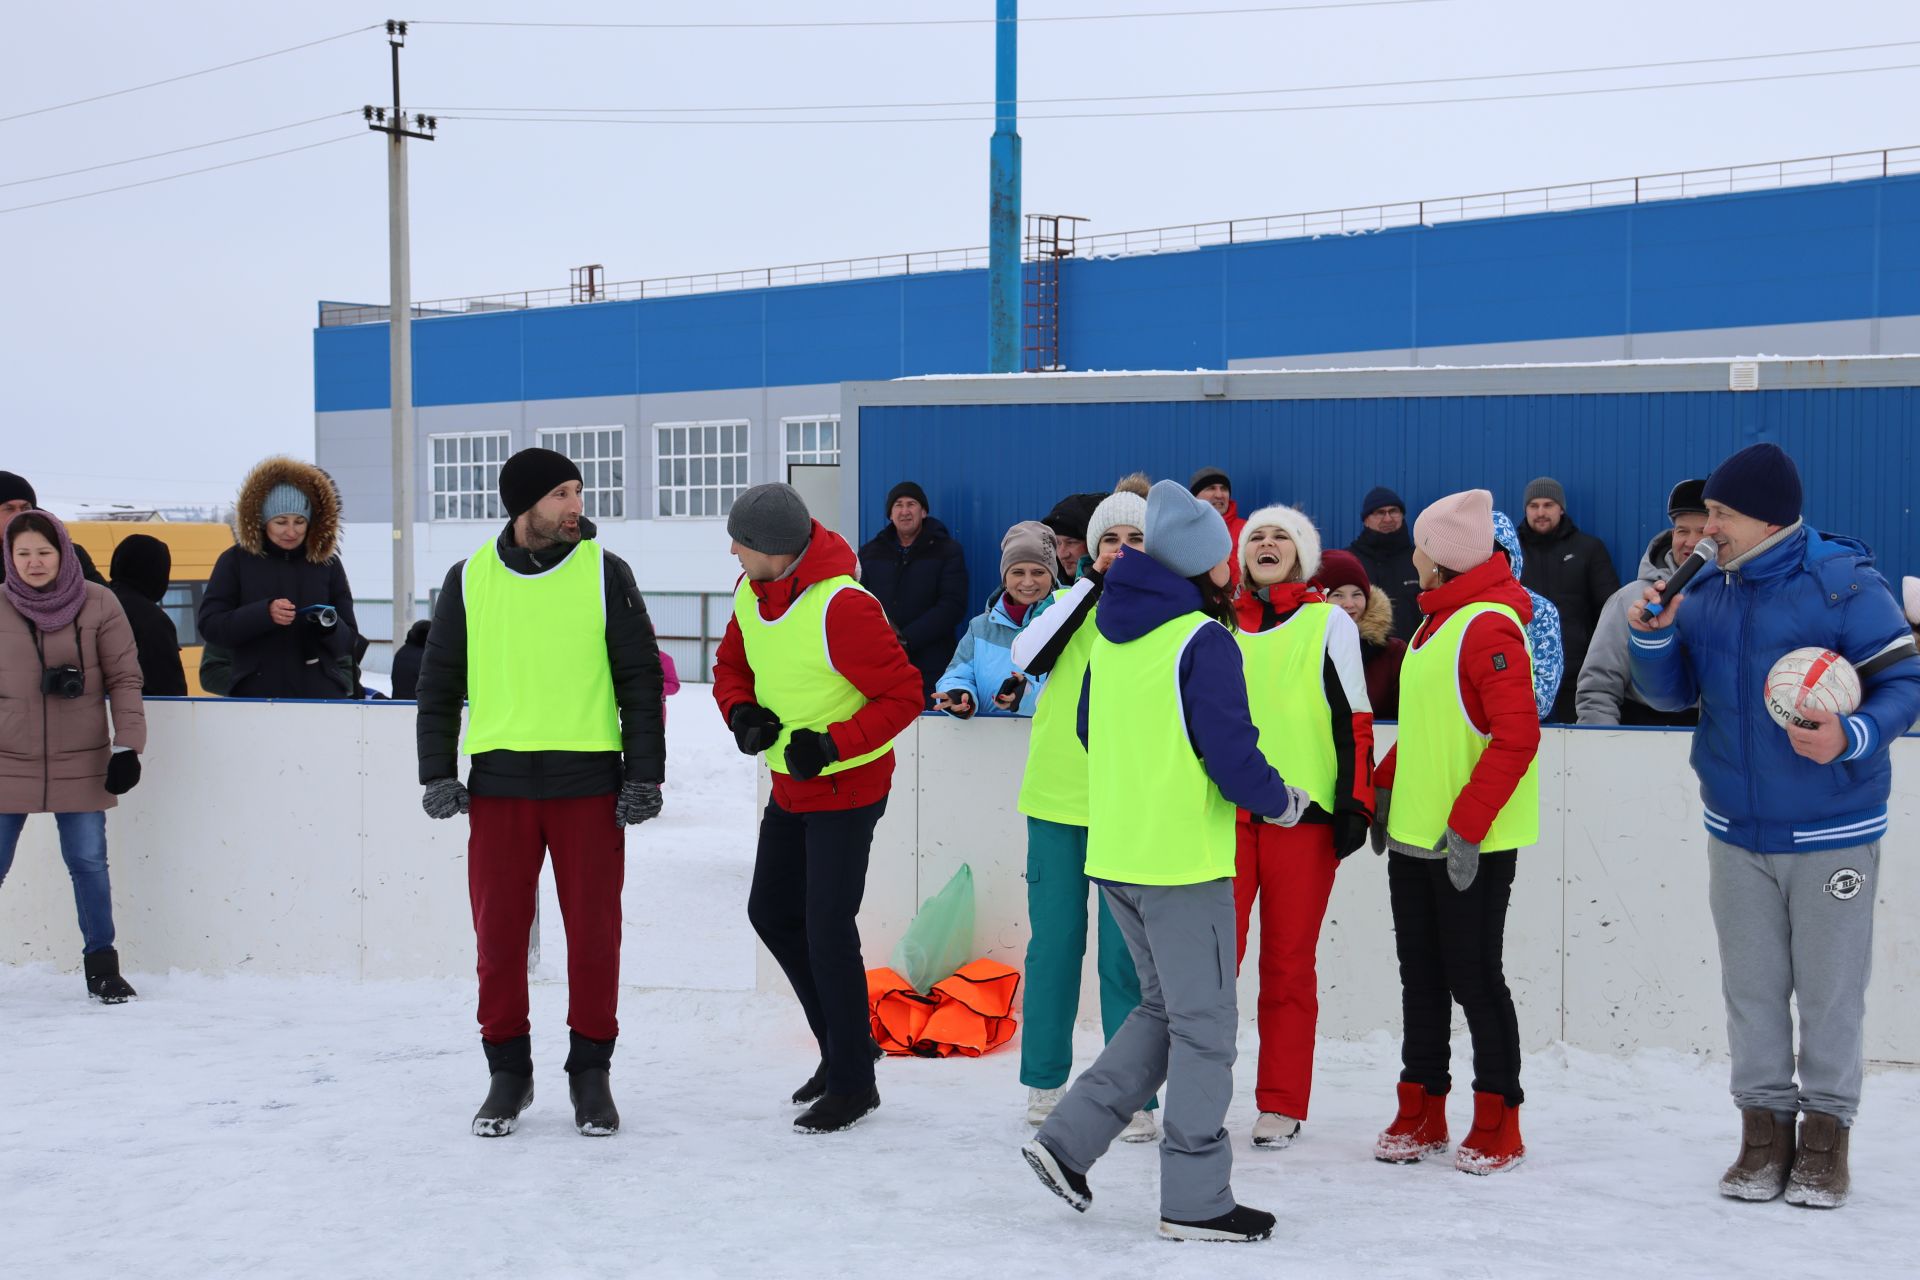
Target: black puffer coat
{"x": 1388, "y": 560}
{"x": 923, "y": 589}
{"x": 632, "y": 653}
{"x": 303, "y": 659}
{"x": 1573, "y": 570}
{"x": 141, "y": 566}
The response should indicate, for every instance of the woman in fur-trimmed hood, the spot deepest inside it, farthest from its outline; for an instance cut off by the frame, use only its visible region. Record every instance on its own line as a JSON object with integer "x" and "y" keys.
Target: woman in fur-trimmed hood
{"x": 278, "y": 602}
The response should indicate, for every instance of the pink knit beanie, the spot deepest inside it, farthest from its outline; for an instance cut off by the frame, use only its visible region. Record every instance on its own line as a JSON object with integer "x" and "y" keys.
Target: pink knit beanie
{"x": 1457, "y": 531}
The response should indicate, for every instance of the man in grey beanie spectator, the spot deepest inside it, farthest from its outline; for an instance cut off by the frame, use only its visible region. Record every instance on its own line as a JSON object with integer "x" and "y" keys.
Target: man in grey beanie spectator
{"x": 1570, "y": 568}
{"x": 810, "y": 674}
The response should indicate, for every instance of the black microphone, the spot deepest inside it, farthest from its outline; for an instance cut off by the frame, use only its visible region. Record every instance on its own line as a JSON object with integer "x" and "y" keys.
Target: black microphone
{"x": 1704, "y": 556}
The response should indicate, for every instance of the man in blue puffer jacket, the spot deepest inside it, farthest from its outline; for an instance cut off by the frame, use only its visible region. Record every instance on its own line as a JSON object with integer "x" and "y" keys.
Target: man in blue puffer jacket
{"x": 1794, "y": 817}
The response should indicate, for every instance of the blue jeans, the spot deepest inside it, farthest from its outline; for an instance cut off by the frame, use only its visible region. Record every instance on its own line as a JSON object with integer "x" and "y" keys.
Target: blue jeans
{"x": 83, "y": 844}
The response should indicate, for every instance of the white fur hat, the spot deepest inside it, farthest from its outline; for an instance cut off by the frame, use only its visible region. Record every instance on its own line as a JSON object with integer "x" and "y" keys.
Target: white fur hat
{"x": 1910, "y": 595}
{"x": 1306, "y": 539}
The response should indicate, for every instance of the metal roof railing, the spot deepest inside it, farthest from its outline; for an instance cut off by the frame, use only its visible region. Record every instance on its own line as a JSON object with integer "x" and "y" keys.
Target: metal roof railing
{"x": 1680, "y": 185}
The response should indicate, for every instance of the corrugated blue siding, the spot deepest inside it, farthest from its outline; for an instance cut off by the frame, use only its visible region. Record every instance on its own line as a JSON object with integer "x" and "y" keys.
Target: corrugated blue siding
{"x": 1802, "y": 255}
{"x": 985, "y": 467}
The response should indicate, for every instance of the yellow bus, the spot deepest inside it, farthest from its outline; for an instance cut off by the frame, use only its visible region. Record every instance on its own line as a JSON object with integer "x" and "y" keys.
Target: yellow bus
{"x": 195, "y": 547}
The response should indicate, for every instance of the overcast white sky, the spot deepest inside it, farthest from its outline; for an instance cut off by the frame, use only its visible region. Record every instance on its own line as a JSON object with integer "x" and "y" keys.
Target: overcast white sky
{"x": 155, "y": 341}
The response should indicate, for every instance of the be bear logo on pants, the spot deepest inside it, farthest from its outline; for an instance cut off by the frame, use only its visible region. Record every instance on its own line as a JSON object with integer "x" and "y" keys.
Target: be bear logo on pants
{"x": 1845, "y": 883}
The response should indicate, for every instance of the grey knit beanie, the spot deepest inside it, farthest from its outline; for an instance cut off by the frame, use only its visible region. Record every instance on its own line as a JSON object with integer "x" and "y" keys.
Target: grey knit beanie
{"x": 1546, "y": 487}
{"x": 771, "y": 519}
{"x": 286, "y": 500}
{"x": 1028, "y": 542}
{"x": 1183, "y": 533}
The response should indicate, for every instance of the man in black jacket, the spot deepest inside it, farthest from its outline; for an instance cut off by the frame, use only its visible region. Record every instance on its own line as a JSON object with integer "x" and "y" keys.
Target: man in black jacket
{"x": 406, "y": 661}
{"x": 545, "y": 636}
{"x": 918, "y": 572}
{"x": 142, "y": 565}
{"x": 1573, "y": 570}
{"x": 1385, "y": 550}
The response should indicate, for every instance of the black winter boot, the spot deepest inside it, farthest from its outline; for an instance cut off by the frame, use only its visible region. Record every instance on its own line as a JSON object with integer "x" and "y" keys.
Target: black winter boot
{"x": 104, "y": 982}
{"x": 1239, "y": 1225}
{"x": 816, "y": 1086}
{"x": 837, "y": 1111}
{"x": 510, "y": 1088}
{"x": 589, "y": 1063}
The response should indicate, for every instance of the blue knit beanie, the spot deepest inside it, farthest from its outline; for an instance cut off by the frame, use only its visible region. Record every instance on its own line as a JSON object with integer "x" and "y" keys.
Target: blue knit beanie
{"x": 1378, "y": 497}
{"x": 286, "y": 500}
{"x": 1759, "y": 481}
{"x": 1183, "y": 533}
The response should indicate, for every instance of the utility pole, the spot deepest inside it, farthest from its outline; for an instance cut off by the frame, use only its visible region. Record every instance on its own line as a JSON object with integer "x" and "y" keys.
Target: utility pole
{"x": 1003, "y": 201}
{"x": 400, "y": 327}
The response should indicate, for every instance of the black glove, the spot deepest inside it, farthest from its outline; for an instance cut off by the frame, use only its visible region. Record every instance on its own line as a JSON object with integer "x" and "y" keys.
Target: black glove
{"x": 953, "y": 697}
{"x": 808, "y": 752}
{"x": 444, "y": 797}
{"x": 638, "y": 801}
{"x": 123, "y": 772}
{"x": 754, "y": 728}
{"x": 1350, "y": 828}
{"x": 1378, "y": 831}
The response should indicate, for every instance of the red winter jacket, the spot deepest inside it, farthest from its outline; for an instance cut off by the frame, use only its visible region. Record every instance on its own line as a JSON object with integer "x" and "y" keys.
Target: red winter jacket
{"x": 1496, "y": 687}
{"x": 1343, "y": 683}
{"x": 862, "y": 646}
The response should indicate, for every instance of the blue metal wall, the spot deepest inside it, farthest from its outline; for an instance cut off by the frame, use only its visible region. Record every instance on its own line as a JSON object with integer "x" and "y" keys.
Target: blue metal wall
{"x": 986, "y": 466}
{"x": 1801, "y": 255}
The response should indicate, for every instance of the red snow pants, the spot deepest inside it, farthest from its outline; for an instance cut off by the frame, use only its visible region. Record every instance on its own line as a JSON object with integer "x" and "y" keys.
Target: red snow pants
{"x": 508, "y": 840}
{"x": 1290, "y": 870}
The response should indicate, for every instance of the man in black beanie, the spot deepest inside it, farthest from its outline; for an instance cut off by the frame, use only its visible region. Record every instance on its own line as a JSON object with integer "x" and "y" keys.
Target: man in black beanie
{"x": 1570, "y": 568}
{"x": 1068, "y": 520}
{"x": 1384, "y": 549}
{"x": 16, "y": 495}
{"x": 917, "y": 571}
{"x": 1605, "y": 694}
{"x": 545, "y": 638}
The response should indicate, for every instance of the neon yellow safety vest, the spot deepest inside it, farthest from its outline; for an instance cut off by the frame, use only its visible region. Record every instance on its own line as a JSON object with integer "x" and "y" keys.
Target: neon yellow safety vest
{"x": 1054, "y": 787}
{"x": 1154, "y": 816}
{"x": 793, "y": 675}
{"x": 538, "y": 677}
{"x": 1287, "y": 694}
{"x": 1439, "y": 746}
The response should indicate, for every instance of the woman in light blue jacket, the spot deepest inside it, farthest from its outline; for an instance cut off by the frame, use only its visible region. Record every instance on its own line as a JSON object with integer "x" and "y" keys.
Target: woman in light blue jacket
{"x": 983, "y": 663}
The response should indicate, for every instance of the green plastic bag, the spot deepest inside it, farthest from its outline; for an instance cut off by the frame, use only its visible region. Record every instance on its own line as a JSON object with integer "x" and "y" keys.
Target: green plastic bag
{"x": 940, "y": 939}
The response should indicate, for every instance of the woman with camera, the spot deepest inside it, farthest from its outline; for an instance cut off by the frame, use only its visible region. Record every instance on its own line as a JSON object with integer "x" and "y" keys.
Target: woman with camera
{"x": 278, "y": 607}
{"x": 66, "y": 653}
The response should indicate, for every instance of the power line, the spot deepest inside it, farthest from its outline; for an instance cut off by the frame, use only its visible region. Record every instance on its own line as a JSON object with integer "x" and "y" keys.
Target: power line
{"x": 1217, "y": 93}
{"x": 198, "y": 146}
{"x": 919, "y": 22}
{"x": 1205, "y": 111}
{"x": 171, "y": 177}
{"x": 189, "y": 75}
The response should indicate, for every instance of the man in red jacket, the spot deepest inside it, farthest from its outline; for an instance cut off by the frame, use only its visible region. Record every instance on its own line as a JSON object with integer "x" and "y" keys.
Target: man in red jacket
{"x": 811, "y": 673}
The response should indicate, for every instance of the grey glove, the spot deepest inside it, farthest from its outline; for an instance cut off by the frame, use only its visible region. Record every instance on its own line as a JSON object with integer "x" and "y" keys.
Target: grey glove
{"x": 1377, "y": 833}
{"x": 638, "y": 801}
{"x": 444, "y": 798}
{"x": 1463, "y": 858}
{"x": 1297, "y": 802}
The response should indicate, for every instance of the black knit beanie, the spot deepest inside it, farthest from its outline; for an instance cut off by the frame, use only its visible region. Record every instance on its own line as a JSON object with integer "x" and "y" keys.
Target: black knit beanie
{"x": 531, "y": 475}
{"x": 15, "y": 487}
{"x": 908, "y": 489}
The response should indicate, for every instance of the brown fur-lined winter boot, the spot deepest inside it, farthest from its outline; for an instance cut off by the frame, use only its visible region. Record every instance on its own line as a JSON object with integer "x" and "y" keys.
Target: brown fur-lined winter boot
{"x": 1766, "y": 1154}
{"x": 1820, "y": 1179}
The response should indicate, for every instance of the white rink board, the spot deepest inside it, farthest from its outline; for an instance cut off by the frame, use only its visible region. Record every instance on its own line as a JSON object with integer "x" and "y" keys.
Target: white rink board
{"x": 288, "y": 839}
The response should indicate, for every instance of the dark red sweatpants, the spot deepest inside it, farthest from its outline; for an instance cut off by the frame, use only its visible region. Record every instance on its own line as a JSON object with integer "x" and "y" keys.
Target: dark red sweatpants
{"x": 507, "y": 841}
{"x": 1291, "y": 870}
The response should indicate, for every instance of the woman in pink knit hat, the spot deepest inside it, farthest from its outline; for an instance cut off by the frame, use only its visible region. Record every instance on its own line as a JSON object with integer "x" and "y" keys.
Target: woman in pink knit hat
{"x": 1458, "y": 794}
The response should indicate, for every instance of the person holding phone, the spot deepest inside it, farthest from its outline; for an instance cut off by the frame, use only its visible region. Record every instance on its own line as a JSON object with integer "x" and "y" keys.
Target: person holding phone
{"x": 981, "y": 679}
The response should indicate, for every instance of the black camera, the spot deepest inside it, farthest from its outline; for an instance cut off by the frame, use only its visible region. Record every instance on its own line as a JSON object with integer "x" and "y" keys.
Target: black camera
{"x": 64, "y": 682}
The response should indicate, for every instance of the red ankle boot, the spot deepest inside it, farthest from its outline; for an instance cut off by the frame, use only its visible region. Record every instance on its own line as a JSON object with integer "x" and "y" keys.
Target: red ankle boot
{"x": 1419, "y": 1130}
{"x": 1494, "y": 1145}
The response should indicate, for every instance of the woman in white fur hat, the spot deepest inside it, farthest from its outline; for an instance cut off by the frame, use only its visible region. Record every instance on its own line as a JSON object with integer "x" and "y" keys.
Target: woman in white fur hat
{"x": 1307, "y": 687}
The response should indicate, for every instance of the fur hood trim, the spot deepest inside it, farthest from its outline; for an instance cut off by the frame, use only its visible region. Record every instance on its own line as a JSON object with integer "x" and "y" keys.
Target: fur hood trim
{"x": 1306, "y": 540}
{"x": 323, "y": 526}
{"x": 1376, "y": 620}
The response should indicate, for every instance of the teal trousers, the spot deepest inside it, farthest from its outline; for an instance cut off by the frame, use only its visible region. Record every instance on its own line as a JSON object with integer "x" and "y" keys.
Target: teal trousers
{"x": 1057, "y": 888}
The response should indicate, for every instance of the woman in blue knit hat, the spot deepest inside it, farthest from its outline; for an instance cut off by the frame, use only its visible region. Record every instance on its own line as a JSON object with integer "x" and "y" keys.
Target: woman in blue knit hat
{"x": 278, "y": 612}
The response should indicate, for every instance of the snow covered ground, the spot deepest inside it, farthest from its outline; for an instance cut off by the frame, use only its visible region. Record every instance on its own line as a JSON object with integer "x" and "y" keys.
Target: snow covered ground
{"x": 304, "y": 1127}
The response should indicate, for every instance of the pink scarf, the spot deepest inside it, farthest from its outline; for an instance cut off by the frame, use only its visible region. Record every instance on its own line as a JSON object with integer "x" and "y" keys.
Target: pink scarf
{"x": 56, "y": 606}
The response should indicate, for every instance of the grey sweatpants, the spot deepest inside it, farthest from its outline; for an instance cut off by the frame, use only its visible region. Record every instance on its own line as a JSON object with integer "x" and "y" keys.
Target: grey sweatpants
{"x": 1796, "y": 925}
{"x": 1181, "y": 1034}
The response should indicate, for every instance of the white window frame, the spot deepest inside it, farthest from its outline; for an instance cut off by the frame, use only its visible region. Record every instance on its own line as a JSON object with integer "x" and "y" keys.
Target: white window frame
{"x": 793, "y": 439}
{"x": 473, "y": 481}
{"x": 686, "y": 450}
{"x": 603, "y": 474}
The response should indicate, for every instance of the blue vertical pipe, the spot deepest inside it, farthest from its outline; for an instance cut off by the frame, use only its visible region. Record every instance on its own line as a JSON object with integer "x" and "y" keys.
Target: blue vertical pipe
{"x": 1003, "y": 208}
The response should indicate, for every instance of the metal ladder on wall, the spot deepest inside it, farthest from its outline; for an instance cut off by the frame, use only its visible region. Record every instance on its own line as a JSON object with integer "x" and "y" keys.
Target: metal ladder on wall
{"x": 1049, "y": 238}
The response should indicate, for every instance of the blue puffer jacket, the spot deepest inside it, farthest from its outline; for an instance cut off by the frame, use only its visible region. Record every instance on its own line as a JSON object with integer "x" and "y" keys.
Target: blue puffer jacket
{"x": 1807, "y": 589}
{"x": 984, "y": 659}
